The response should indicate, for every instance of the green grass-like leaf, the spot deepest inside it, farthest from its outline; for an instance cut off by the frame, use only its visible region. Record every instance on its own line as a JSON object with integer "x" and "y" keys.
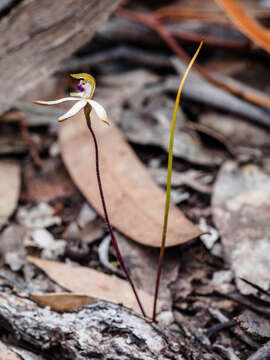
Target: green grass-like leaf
{"x": 169, "y": 177}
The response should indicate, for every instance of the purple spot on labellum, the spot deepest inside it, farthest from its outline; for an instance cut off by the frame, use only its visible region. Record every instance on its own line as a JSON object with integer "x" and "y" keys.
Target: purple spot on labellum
{"x": 80, "y": 87}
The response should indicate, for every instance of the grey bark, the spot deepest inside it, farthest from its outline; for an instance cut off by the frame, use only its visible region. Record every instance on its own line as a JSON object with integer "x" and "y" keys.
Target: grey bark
{"x": 98, "y": 331}
{"x": 38, "y": 34}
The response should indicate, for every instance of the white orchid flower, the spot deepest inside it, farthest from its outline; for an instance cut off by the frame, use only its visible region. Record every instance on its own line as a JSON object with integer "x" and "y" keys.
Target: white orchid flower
{"x": 86, "y": 89}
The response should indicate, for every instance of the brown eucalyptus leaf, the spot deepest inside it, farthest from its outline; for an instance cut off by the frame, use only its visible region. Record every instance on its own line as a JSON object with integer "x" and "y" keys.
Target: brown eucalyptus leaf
{"x": 135, "y": 203}
{"x": 97, "y": 285}
{"x": 63, "y": 302}
{"x": 9, "y": 189}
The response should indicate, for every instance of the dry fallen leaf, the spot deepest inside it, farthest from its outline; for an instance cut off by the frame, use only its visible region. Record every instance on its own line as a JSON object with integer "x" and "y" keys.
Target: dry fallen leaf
{"x": 135, "y": 202}
{"x": 9, "y": 189}
{"x": 247, "y": 24}
{"x": 94, "y": 284}
{"x": 63, "y": 302}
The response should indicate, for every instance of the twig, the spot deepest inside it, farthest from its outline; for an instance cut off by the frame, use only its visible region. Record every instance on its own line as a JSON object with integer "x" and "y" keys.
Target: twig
{"x": 185, "y": 13}
{"x": 203, "y": 15}
{"x": 209, "y": 40}
{"x": 213, "y": 330}
{"x": 123, "y": 52}
{"x": 114, "y": 241}
{"x": 256, "y": 304}
{"x": 247, "y": 24}
{"x": 257, "y": 287}
{"x": 151, "y": 21}
{"x": 218, "y": 315}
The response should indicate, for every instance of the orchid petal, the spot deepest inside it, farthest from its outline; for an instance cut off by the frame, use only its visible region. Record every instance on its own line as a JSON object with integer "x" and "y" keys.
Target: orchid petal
{"x": 78, "y": 94}
{"x": 40, "y": 102}
{"x": 74, "y": 110}
{"x": 100, "y": 111}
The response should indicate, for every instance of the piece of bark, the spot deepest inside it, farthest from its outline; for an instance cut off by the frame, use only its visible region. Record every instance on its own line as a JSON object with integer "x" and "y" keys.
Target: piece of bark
{"x": 98, "y": 331}
{"x": 37, "y": 35}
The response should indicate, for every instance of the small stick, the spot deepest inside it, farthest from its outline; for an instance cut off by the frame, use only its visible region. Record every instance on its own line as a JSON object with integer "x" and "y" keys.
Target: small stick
{"x": 165, "y": 33}
{"x": 257, "y": 287}
{"x": 213, "y": 330}
{"x": 122, "y": 52}
{"x": 114, "y": 241}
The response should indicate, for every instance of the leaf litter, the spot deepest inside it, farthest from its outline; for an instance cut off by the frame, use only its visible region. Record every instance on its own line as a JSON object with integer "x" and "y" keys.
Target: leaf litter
{"x": 139, "y": 102}
{"x": 93, "y": 284}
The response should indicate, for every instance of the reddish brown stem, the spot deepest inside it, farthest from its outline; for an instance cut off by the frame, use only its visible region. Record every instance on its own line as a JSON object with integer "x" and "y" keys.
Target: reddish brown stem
{"x": 113, "y": 238}
{"x": 160, "y": 261}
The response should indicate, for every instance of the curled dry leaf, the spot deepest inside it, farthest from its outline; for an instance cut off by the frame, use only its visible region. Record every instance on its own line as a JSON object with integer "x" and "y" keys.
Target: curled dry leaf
{"x": 248, "y": 25}
{"x": 90, "y": 284}
{"x": 135, "y": 202}
{"x": 9, "y": 189}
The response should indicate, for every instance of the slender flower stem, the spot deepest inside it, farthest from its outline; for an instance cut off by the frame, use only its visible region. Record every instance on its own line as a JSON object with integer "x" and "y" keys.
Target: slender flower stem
{"x": 169, "y": 180}
{"x": 113, "y": 238}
